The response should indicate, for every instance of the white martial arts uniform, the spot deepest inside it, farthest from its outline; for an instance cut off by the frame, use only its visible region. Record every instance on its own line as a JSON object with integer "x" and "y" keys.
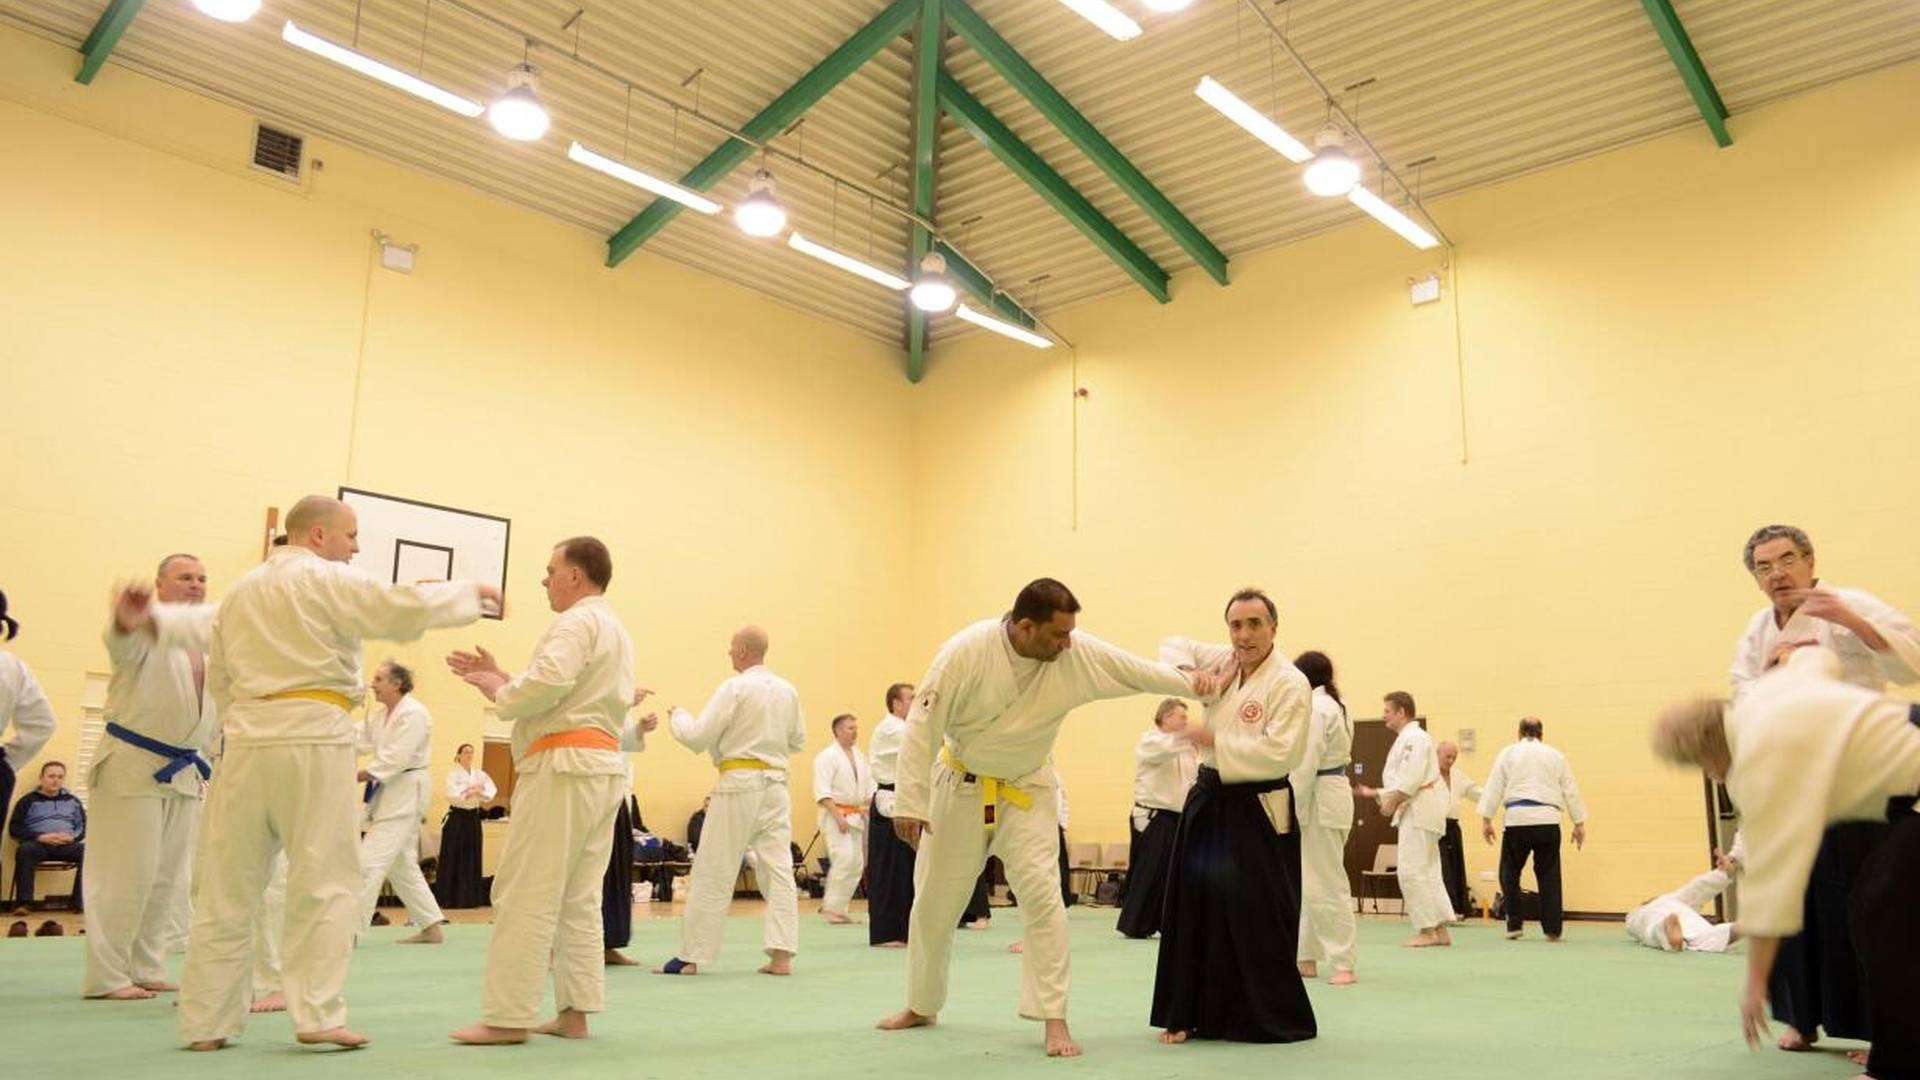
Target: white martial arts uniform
{"x": 546, "y": 894}
{"x": 1414, "y": 771}
{"x": 141, "y": 829}
{"x": 401, "y": 742}
{"x": 1532, "y": 771}
{"x": 1164, "y": 765}
{"x": 459, "y": 780}
{"x": 293, "y": 624}
{"x": 750, "y": 728}
{"x": 1860, "y": 665}
{"x": 1325, "y": 803}
{"x": 24, "y": 708}
{"x": 1809, "y": 749}
{"x": 1460, "y": 788}
{"x": 269, "y": 926}
{"x": 1647, "y": 924}
{"x": 883, "y": 756}
{"x": 843, "y": 778}
{"x": 979, "y": 738}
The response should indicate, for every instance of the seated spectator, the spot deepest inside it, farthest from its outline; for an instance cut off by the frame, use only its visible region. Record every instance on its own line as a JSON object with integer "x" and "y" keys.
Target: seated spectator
{"x": 50, "y": 824}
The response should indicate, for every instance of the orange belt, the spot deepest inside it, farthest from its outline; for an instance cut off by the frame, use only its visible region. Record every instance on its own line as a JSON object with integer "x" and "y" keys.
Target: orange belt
{"x": 331, "y": 697}
{"x": 850, "y": 808}
{"x": 580, "y": 738}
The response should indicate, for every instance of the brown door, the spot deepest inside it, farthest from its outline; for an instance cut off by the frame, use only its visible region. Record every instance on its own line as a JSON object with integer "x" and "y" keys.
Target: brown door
{"x": 496, "y": 760}
{"x": 1371, "y": 741}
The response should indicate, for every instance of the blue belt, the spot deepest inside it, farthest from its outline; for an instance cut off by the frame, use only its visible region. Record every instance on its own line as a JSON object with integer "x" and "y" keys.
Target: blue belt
{"x": 178, "y": 757}
{"x": 374, "y": 786}
{"x": 1332, "y": 770}
{"x": 1511, "y": 803}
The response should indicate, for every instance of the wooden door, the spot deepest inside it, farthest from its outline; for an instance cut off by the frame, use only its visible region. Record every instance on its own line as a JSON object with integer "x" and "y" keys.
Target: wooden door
{"x": 1371, "y": 741}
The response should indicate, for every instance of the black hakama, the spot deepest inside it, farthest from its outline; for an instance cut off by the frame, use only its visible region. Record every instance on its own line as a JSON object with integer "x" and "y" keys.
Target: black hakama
{"x": 1882, "y": 920}
{"x": 1230, "y": 934}
{"x": 616, "y": 892}
{"x": 1817, "y": 983}
{"x": 456, "y": 880}
{"x": 1149, "y": 861}
{"x": 1453, "y": 867}
{"x": 889, "y": 878}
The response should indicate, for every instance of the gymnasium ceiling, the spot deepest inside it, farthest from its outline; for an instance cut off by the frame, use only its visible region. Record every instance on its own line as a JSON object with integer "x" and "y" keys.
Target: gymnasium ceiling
{"x": 1480, "y": 90}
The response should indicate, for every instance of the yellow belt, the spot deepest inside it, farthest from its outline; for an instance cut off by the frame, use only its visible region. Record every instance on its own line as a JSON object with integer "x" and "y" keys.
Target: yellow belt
{"x": 732, "y": 763}
{"x": 331, "y": 697}
{"x": 992, "y": 789}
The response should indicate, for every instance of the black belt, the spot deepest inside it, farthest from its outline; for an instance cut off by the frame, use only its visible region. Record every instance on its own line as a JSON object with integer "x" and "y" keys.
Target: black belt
{"x": 884, "y": 787}
{"x": 1210, "y": 777}
{"x": 1333, "y": 770}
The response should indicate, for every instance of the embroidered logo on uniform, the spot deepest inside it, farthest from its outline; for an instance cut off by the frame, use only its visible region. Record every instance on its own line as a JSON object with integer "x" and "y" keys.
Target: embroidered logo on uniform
{"x": 1250, "y": 712}
{"x": 927, "y": 699}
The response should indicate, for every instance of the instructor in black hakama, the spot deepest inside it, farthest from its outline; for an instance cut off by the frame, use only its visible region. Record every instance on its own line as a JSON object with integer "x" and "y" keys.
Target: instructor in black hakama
{"x": 1230, "y": 934}
{"x": 1149, "y": 866}
{"x": 889, "y": 877}
{"x": 1164, "y": 768}
{"x": 616, "y": 892}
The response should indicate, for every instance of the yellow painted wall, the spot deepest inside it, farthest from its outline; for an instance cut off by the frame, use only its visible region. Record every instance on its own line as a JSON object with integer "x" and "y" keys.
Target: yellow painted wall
{"x": 178, "y": 343}
{"x": 1664, "y": 347}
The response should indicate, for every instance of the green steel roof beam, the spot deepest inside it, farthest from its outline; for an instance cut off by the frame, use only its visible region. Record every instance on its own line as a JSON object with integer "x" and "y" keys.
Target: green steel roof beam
{"x": 980, "y": 122}
{"x": 968, "y": 279}
{"x": 926, "y": 119}
{"x": 106, "y": 34}
{"x": 1060, "y": 112}
{"x": 1666, "y": 22}
{"x": 770, "y": 121}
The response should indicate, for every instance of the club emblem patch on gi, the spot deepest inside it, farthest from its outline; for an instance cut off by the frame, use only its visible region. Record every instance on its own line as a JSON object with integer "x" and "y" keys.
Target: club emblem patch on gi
{"x": 927, "y": 699}
{"x": 1250, "y": 712}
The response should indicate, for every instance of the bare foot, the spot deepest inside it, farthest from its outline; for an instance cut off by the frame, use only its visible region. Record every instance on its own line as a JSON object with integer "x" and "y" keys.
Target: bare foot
{"x": 429, "y": 936}
{"x": 836, "y": 918}
{"x": 1059, "y": 1042}
{"x": 616, "y": 958}
{"x": 1309, "y": 969}
{"x": 1173, "y": 1038}
{"x": 1554, "y": 939}
{"x": 1791, "y": 1039}
{"x": 208, "y": 1044}
{"x": 891, "y": 945}
{"x": 1858, "y": 1057}
{"x": 904, "y": 1019}
{"x": 274, "y": 1002}
{"x": 1017, "y": 947}
{"x": 779, "y": 962}
{"x": 569, "y": 1024}
{"x": 1445, "y": 938}
{"x": 1515, "y": 935}
{"x": 488, "y": 1035}
{"x": 159, "y": 986}
{"x": 976, "y": 924}
{"x": 1425, "y": 939}
{"x": 677, "y": 966}
{"x": 125, "y": 993}
{"x": 341, "y": 1037}
{"x": 1343, "y": 978}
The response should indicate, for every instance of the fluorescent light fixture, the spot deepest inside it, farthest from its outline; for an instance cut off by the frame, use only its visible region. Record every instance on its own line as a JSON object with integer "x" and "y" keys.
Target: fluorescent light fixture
{"x": 847, "y": 262}
{"x": 228, "y": 10}
{"x": 1106, "y": 17}
{"x": 1252, "y": 119}
{"x": 518, "y": 114}
{"x": 643, "y": 181}
{"x": 1392, "y": 218}
{"x": 1002, "y": 327}
{"x": 392, "y": 76}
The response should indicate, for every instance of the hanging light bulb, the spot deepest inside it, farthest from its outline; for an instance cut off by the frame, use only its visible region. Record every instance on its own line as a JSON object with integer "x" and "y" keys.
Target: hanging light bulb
{"x": 228, "y": 10}
{"x": 761, "y": 214}
{"x": 518, "y": 114}
{"x": 932, "y": 292}
{"x": 1333, "y": 172}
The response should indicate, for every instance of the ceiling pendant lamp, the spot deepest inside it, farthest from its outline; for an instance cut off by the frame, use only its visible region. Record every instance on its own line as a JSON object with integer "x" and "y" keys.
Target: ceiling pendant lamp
{"x": 233, "y": 11}
{"x": 760, "y": 214}
{"x": 932, "y": 292}
{"x": 1333, "y": 171}
{"x": 518, "y": 113}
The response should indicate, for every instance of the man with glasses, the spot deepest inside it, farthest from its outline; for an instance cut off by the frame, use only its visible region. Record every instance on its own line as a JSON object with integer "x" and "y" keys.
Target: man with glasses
{"x": 1815, "y": 982}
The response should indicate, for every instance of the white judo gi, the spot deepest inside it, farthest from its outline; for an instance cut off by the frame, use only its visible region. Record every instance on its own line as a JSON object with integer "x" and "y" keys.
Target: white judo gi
{"x": 284, "y": 670}
{"x": 979, "y": 738}
{"x": 1859, "y": 664}
{"x": 141, "y": 828}
{"x": 401, "y": 742}
{"x": 1413, "y": 770}
{"x": 269, "y": 927}
{"x": 842, "y": 777}
{"x": 1646, "y": 924}
{"x": 546, "y": 896}
{"x": 750, "y": 728}
{"x": 1324, "y": 798}
{"x": 24, "y": 708}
